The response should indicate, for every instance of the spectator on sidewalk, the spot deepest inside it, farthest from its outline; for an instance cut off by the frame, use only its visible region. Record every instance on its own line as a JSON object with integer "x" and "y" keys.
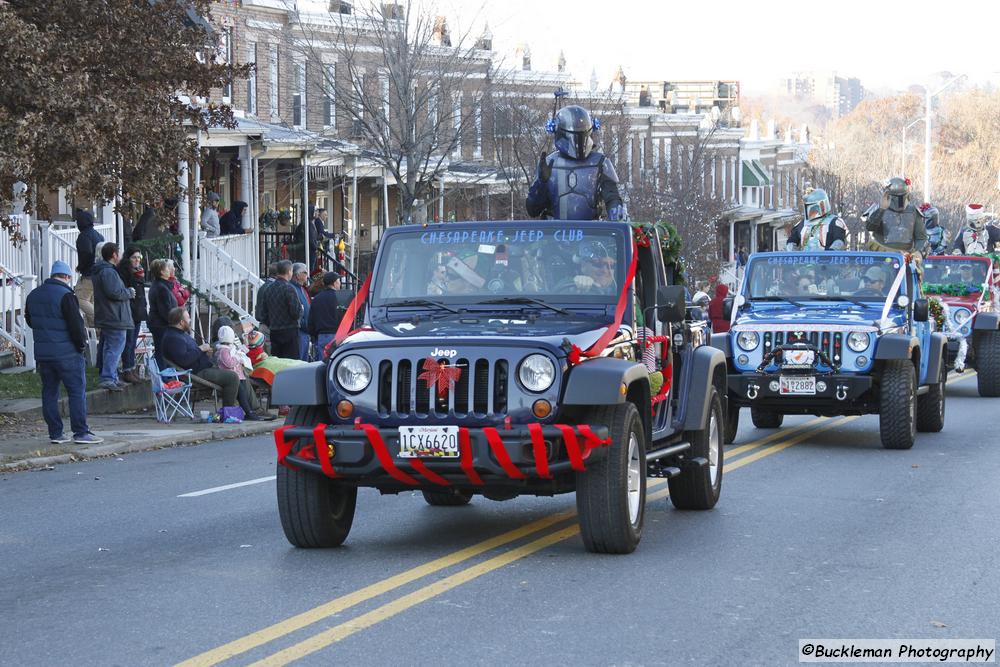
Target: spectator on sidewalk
{"x": 86, "y": 252}
{"x": 134, "y": 276}
{"x": 181, "y": 293}
{"x": 258, "y": 308}
{"x": 230, "y": 356}
{"x": 232, "y": 222}
{"x": 716, "y": 309}
{"x": 210, "y": 216}
{"x": 179, "y": 348}
{"x": 112, "y": 314}
{"x": 300, "y": 281}
{"x": 326, "y": 313}
{"x": 53, "y": 313}
{"x": 281, "y": 311}
{"x": 161, "y": 302}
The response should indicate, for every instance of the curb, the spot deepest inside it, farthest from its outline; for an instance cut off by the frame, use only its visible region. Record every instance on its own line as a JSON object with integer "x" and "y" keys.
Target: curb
{"x": 105, "y": 450}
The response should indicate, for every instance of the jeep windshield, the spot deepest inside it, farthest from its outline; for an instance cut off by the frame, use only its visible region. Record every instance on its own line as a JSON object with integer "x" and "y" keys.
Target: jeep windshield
{"x": 527, "y": 265}
{"x": 958, "y": 276}
{"x": 801, "y": 276}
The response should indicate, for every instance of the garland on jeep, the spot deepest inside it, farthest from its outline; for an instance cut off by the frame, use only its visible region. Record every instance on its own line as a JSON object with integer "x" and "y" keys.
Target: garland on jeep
{"x": 670, "y": 244}
{"x": 953, "y": 289}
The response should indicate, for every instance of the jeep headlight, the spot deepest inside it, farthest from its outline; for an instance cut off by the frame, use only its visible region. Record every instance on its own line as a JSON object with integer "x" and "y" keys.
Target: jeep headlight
{"x": 354, "y": 373}
{"x": 859, "y": 341}
{"x": 537, "y": 372}
{"x": 748, "y": 340}
{"x": 961, "y": 316}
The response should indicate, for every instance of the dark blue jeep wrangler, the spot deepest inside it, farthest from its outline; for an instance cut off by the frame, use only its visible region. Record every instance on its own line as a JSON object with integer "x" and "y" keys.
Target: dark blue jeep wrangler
{"x": 835, "y": 333}
{"x": 508, "y": 358}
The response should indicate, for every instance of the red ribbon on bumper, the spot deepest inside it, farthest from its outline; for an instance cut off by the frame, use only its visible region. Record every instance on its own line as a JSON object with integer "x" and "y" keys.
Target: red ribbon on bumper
{"x": 429, "y": 474}
{"x": 539, "y": 450}
{"x": 499, "y": 451}
{"x": 283, "y": 446}
{"x": 591, "y": 440}
{"x": 323, "y": 450}
{"x": 384, "y": 457}
{"x": 465, "y": 445}
{"x": 572, "y": 447}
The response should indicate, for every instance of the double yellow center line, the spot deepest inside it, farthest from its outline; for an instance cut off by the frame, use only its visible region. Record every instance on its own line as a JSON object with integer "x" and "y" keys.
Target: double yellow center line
{"x": 786, "y": 438}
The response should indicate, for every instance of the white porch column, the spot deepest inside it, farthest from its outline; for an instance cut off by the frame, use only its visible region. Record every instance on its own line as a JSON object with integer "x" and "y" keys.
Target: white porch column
{"x": 255, "y": 220}
{"x": 245, "y": 189}
{"x": 329, "y": 199}
{"x": 714, "y": 160}
{"x": 354, "y": 222}
{"x": 385, "y": 199}
{"x": 305, "y": 209}
{"x": 183, "y": 218}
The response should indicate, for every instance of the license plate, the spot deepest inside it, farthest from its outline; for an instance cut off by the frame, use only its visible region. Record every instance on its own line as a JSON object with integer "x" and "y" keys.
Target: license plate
{"x": 436, "y": 442}
{"x": 797, "y": 386}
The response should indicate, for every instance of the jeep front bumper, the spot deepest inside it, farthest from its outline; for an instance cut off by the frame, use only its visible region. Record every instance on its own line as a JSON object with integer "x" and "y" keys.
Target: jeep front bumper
{"x": 844, "y": 394}
{"x": 519, "y": 457}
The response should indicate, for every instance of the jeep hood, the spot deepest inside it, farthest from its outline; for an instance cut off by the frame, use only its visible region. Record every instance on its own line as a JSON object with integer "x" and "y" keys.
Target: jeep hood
{"x": 838, "y": 313}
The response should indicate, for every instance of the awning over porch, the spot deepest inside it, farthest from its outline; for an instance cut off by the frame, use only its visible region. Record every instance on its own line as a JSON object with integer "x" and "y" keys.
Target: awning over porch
{"x": 755, "y": 175}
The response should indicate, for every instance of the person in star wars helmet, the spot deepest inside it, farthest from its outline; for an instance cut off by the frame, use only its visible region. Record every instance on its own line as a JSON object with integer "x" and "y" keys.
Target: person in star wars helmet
{"x": 976, "y": 238}
{"x": 820, "y": 229}
{"x": 897, "y": 224}
{"x": 937, "y": 236}
{"x": 575, "y": 182}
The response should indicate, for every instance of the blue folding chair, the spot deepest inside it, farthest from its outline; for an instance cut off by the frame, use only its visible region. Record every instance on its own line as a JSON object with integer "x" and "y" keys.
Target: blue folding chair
{"x": 169, "y": 401}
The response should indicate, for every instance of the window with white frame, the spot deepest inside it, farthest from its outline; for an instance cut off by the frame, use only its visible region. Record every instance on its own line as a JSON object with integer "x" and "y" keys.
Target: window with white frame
{"x": 272, "y": 74}
{"x": 478, "y": 153}
{"x": 225, "y": 57}
{"x": 299, "y": 95}
{"x": 330, "y": 97}
{"x": 252, "y": 79}
{"x": 384, "y": 86}
{"x": 457, "y": 113}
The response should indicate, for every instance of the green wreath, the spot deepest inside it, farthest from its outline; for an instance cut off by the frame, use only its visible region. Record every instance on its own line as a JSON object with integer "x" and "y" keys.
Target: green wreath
{"x": 670, "y": 244}
{"x": 936, "y": 309}
{"x": 952, "y": 289}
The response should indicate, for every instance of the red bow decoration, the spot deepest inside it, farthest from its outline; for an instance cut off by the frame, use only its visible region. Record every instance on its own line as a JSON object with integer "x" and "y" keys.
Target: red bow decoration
{"x": 574, "y": 354}
{"x": 924, "y": 206}
{"x": 440, "y": 374}
{"x": 908, "y": 181}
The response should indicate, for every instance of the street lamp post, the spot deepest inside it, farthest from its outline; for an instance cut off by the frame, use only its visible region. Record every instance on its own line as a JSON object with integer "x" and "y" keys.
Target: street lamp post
{"x": 927, "y": 131}
{"x": 902, "y": 165}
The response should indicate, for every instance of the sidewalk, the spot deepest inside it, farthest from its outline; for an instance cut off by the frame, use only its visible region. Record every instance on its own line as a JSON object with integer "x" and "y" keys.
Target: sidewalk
{"x": 24, "y": 441}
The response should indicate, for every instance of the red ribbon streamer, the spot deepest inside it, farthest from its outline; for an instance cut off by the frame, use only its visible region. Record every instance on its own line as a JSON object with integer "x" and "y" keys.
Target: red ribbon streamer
{"x": 283, "y": 446}
{"x": 499, "y": 451}
{"x": 572, "y": 447}
{"x": 382, "y": 452}
{"x": 612, "y": 329}
{"x": 591, "y": 441}
{"x": 323, "y": 450}
{"x": 539, "y": 450}
{"x": 344, "y": 330}
{"x": 465, "y": 445}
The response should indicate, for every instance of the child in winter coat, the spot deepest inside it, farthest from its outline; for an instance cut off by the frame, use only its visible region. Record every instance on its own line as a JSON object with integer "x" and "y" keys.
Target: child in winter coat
{"x": 230, "y": 356}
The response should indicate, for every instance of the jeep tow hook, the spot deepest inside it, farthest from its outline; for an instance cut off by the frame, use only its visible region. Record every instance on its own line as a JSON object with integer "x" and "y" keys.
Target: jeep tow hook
{"x": 752, "y": 390}
{"x": 841, "y": 392}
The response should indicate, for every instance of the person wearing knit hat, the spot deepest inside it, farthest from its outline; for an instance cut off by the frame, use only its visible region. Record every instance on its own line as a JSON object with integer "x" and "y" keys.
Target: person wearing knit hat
{"x": 230, "y": 356}
{"x": 976, "y": 238}
{"x": 53, "y": 313}
{"x": 265, "y": 367}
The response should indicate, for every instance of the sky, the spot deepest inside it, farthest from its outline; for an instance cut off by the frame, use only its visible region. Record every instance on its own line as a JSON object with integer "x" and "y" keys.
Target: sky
{"x": 885, "y": 44}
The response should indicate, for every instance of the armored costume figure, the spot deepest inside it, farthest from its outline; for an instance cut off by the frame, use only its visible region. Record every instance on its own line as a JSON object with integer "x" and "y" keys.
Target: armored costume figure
{"x": 575, "y": 181}
{"x": 976, "y": 238}
{"x": 820, "y": 229}
{"x": 897, "y": 224}
{"x": 937, "y": 236}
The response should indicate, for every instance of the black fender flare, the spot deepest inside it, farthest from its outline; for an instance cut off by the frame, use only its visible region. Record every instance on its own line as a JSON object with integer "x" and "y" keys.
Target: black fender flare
{"x": 937, "y": 352}
{"x": 704, "y": 362}
{"x": 986, "y": 322}
{"x": 300, "y": 385}
{"x": 720, "y": 341}
{"x": 599, "y": 381}
{"x": 896, "y": 346}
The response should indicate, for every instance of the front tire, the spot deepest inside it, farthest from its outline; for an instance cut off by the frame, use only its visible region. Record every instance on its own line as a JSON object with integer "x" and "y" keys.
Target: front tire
{"x": 766, "y": 418}
{"x": 898, "y": 405}
{"x": 611, "y": 492}
{"x": 315, "y": 511}
{"x": 988, "y": 363}
{"x": 930, "y": 406}
{"x": 451, "y": 498}
{"x": 698, "y": 486}
{"x": 732, "y": 422}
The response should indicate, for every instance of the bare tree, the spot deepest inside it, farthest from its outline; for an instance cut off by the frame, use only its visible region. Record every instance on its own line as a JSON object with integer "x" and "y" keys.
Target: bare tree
{"x": 411, "y": 93}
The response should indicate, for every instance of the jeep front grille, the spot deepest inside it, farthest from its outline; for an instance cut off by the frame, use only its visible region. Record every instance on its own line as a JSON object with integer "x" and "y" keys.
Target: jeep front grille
{"x": 481, "y": 389}
{"x": 829, "y": 342}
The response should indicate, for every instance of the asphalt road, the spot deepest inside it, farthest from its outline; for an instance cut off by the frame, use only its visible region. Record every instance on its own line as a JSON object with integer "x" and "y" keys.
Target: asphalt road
{"x": 819, "y": 533}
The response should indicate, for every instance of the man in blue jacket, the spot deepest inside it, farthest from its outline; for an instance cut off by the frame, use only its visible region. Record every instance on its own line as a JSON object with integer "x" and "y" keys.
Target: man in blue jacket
{"x": 53, "y": 313}
{"x": 180, "y": 350}
{"x": 112, "y": 314}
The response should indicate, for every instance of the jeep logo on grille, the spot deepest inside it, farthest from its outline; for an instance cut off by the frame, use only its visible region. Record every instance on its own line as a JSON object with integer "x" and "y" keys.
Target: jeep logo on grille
{"x": 449, "y": 354}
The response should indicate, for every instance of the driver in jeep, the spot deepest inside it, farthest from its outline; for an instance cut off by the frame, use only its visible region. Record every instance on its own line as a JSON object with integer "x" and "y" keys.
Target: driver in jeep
{"x": 874, "y": 284}
{"x": 596, "y": 271}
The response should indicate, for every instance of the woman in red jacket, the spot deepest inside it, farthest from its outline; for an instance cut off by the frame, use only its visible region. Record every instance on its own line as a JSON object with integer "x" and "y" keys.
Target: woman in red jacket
{"x": 720, "y": 324}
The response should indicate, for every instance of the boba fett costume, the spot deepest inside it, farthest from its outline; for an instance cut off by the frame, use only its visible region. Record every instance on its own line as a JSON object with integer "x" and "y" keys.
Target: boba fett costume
{"x": 897, "y": 224}
{"x": 820, "y": 229}
{"x": 937, "y": 236}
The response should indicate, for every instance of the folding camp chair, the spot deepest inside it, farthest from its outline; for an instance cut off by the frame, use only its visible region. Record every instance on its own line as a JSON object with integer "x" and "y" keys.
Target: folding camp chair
{"x": 169, "y": 401}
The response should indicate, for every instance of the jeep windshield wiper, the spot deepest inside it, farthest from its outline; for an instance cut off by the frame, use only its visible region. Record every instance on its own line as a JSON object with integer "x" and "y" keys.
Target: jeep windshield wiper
{"x": 776, "y": 298}
{"x": 422, "y": 302}
{"x": 528, "y": 299}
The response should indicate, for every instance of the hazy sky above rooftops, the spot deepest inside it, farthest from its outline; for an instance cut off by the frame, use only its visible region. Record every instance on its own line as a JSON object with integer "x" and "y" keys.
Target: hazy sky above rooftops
{"x": 885, "y": 44}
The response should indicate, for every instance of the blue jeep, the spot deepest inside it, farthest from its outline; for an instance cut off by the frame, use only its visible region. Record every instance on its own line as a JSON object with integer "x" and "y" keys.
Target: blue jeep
{"x": 508, "y": 358}
{"x": 834, "y": 333}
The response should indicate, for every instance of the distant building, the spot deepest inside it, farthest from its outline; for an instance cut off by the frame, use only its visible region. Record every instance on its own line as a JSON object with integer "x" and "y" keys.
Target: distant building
{"x": 840, "y": 95}
{"x": 683, "y": 96}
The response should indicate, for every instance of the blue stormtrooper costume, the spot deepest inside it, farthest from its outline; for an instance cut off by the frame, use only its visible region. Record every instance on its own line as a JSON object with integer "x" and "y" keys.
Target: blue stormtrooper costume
{"x": 575, "y": 181}
{"x": 937, "y": 237}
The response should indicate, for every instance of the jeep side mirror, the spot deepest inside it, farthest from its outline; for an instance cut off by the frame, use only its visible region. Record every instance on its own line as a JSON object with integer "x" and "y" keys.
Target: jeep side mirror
{"x": 921, "y": 310}
{"x": 670, "y": 306}
{"x": 727, "y": 309}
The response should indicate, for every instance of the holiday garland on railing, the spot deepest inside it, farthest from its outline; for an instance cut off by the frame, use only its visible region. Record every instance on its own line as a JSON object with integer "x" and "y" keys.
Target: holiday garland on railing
{"x": 953, "y": 289}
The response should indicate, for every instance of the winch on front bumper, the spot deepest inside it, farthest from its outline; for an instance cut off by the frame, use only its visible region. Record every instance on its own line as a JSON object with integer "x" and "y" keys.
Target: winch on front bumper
{"x": 519, "y": 457}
